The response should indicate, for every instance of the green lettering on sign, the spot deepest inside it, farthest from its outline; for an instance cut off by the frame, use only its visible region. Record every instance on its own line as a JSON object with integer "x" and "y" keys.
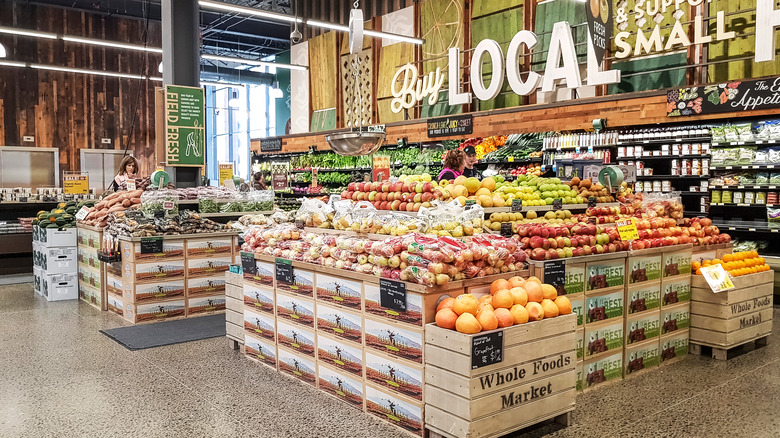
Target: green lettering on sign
{"x": 185, "y": 127}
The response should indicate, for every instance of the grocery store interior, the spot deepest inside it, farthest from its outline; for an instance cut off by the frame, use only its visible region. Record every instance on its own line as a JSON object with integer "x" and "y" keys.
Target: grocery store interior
{"x": 432, "y": 218}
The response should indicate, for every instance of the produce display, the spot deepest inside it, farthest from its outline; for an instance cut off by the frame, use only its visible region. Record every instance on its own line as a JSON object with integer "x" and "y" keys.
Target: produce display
{"x": 230, "y": 201}
{"x": 510, "y": 302}
{"x": 144, "y": 184}
{"x": 61, "y": 217}
{"x": 736, "y": 264}
{"x": 115, "y": 202}
{"x": 134, "y": 223}
{"x": 517, "y": 146}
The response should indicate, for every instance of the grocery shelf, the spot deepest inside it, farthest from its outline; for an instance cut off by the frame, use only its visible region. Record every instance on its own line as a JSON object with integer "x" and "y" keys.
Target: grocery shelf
{"x": 741, "y": 204}
{"x": 663, "y": 157}
{"x": 662, "y": 141}
{"x": 355, "y": 169}
{"x": 572, "y": 148}
{"x": 747, "y": 226}
{"x": 694, "y": 213}
{"x": 747, "y": 167}
{"x": 233, "y": 214}
{"x": 688, "y": 193}
{"x": 745, "y": 186}
{"x": 516, "y": 161}
{"x": 569, "y": 207}
{"x": 729, "y": 144}
{"x": 659, "y": 177}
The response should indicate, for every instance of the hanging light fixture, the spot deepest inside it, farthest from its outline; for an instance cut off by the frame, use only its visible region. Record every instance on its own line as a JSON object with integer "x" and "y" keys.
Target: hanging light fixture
{"x": 275, "y": 92}
{"x": 160, "y": 67}
{"x": 2, "y": 51}
{"x": 233, "y": 102}
{"x": 356, "y": 142}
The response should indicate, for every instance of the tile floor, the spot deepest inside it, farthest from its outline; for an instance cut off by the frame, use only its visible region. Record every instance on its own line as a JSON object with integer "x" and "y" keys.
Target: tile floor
{"x": 60, "y": 377}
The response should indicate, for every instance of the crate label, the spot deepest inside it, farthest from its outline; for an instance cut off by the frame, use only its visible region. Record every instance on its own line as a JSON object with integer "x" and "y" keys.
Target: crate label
{"x": 487, "y": 349}
{"x": 392, "y": 294}
{"x": 578, "y": 308}
{"x": 340, "y": 355}
{"x": 677, "y": 263}
{"x": 675, "y": 318}
{"x": 297, "y": 366}
{"x": 295, "y": 309}
{"x": 643, "y": 327}
{"x": 414, "y": 305}
{"x": 751, "y": 305}
{"x": 263, "y": 275}
{"x": 342, "y": 387}
{"x": 261, "y": 350}
{"x": 152, "y": 292}
{"x": 296, "y": 337}
{"x": 394, "y": 340}
{"x": 603, "y": 307}
{"x": 575, "y": 279}
{"x": 284, "y": 271}
{"x": 642, "y": 357}
{"x": 339, "y": 323}
{"x": 158, "y": 311}
{"x": 259, "y": 298}
{"x": 555, "y": 275}
{"x": 301, "y": 281}
{"x": 339, "y": 291}
{"x": 580, "y": 334}
{"x": 557, "y": 204}
{"x": 213, "y": 303}
{"x": 607, "y": 274}
{"x": 517, "y": 206}
{"x": 602, "y": 338}
{"x": 627, "y": 230}
{"x": 248, "y": 264}
{"x": 394, "y": 376}
{"x": 676, "y": 292}
{"x": 643, "y": 298}
{"x": 674, "y": 346}
{"x": 717, "y": 278}
{"x": 644, "y": 268}
{"x": 603, "y": 370}
{"x": 260, "y": 325}
{"x": 506, "y": 229}
{"x": 396, "y": 410}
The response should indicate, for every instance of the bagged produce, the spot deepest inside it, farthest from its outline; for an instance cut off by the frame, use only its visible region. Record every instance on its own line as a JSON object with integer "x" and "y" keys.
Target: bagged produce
{"x": 156, "y": 202}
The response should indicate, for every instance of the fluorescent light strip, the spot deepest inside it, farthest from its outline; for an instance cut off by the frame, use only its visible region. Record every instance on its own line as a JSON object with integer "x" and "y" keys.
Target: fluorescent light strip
{"x": 326, "y": 25}
{"x": 76, "y": 70}
{"x": 248, "y": 11}
{"x": 254, "y": 62}
{"x": 393, "y": 36}
{"x": 32, "y": 33}
{"x": 97, "y": 42}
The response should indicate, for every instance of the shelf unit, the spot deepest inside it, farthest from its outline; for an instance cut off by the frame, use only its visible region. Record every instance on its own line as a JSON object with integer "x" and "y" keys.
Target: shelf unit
{"x": 731, "y": 144}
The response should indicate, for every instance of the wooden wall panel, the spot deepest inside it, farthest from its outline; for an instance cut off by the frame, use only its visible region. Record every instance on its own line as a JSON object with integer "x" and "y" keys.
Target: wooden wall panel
{"x": 323, "y": 70}
{"x": 72, "y": 111}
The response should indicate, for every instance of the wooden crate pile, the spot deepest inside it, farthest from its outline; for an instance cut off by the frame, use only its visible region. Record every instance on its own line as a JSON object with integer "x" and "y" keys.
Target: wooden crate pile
{"x": 643, "y": 310}
{"x": 234, "y": 306}
{"x": 92, "y": 272}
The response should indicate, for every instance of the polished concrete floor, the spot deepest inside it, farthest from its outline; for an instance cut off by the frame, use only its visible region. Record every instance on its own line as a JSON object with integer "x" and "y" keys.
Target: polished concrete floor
{"x": 60, "y": 377}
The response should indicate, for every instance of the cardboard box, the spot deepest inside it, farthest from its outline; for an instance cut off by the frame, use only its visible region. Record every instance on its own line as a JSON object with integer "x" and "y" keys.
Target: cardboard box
{"x": 37, "y": 280}
{"x": 114, "y": 269}
{"x": 55, "y": 260}
{"x": 205, "y": 304}
{"x": 607, "y": 274}
{"x": 262, "y": 350}
{"x": 603, "y": 337}
{"x": 295, "y": 309}
{"x": 393, "y": 339}
{"x": 339, "y": 291}
{"x": 114, "y": 286}
{"x": 303, "y": 283}
{"x": 676, "y": 290}
{"x": 210, "y": 247}
{"x": 674, "y": 346}
{"x": 677, "y": 263}
{"x": 641, "y": 327}
{"x": 580, "y": 335}
{"x": 51, "y": 238}
{"x": 578, "y": 307}
{"x": 260, "y": 325}
{"x": 88, "y": 238}
{"x": 296, "y": 338}
{"x": 604, "y": 306}
{"x": 341, "y": 385}
{"x": 137, "y": 313}
{"x": 116, "y": 305}
{"x": 90, "y": 277}
{"x": 602, "y": 369}
{"x": 340, "y": 322}
{"x": 641, "y": 356}
{"x": 644, "y": 268}
{"x": 580, "y": 368}
{"x": 173, "y": 249}
{"x": 163, "y": 270}
{"x": 395, "y": 409}
{"x": 298, "y": 366}
{"x": 264, "y": 276}
{"x": 88, "y": 257}
{"x": 209, "y": 267}
{"x": 674, "y": 318}
{"x": 340, "y": 354}
{"x": 206, "y": 286}
{"x": 259, "y": 298}
{"x": 415, "y": 306}
{"x": 90, "y": 295}
{"x": 153, "y": 292}
{"x": 36, "y": 254}
{"x": 60, "y": 287}
{"x": 394, "y": 375}
{"x": 643, "y": 297}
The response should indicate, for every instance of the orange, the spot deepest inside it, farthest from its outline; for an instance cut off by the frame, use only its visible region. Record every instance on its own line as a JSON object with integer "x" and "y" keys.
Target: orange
{"x": 465, "y": 303}
{"x": 487, "y": 319}
{"x": 498, "y": 285}
{"x": 519, "y": 314}
{"x": 728, "y": 257}
{"x": 467, "y": 323}
{"x": 563, "y": 304}
{"x": 550, "y": 309}
{"x": 445, "y": 303}
{"x": 534, "y": 291}
{"x": 505, "y": 318}
{"x": 445, "y": 318}
{"x": 535, "y": 311}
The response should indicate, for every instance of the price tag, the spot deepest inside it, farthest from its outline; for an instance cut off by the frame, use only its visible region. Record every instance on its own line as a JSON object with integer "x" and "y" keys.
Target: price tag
{"x": 506, "y": 229}
{"x": 627, "y": 230}
{"x": 299, "y": 224}
{"x": 151, "y": 245}
{"x": 82, "y": 213}
{"x": 511, "y": 159}
{"x": 392, "y": 294}
{"x": 727, "y": 167}
{"x": 555, "y": 274}
{"x": 517, "y": 206}
{"x": 168, "y": 205}
{"x": 487, "y": 349}
{"x": 557, "y": 204}
{"x": 717, "y": 278}
{"x": 592, "y": 201}
{"x": 248, "y": 264}
{"x": 23, "y": 199}
{"x": 284, "y": 271}
{"x": 470, "y": 202}
{"x": 130, "y": 184}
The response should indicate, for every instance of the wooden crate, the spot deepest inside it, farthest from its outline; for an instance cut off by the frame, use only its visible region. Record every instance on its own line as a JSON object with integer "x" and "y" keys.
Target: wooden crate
{"x": 261, "y": 350}
{"x": 709, "y": 252}
{"x": 574, "y": 274}
{"x": 605, "y": 271}
{"x": 341, "y": 385}
{"x": 644, "y": 265}
{"x": 602, "y": 369}
{"x": 641, "y": 357}
{"x": 676, "y": 289}
{"x": 606, "y": 305}
{"x": 535, "y": 381}
{"x": 732, "y": 318}
{"x": 674, "y": 346}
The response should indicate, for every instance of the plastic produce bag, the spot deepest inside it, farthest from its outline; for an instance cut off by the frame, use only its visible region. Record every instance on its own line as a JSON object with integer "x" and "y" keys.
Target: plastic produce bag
{"x": 156, "y": 202}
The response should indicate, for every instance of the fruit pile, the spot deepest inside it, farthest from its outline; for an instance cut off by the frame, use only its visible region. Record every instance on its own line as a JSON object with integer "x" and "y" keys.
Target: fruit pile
{"x": 586, "y": 188}
{"x": 530, "y": 169}
{"x": 736, "y": 264}
{"x": 510, "y": 302}
{"x": 551, "y": 217}
{"x": 61, "y": 217}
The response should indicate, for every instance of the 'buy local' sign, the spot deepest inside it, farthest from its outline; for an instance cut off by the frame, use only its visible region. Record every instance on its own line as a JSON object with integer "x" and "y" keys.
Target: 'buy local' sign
{"x": 408, "y": 87}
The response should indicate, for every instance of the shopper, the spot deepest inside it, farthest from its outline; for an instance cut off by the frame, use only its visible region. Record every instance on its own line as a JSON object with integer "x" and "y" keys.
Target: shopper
{"x": 454, "y": 163}
{"x": 471, "y": 161}
{"x": 128, "y": 168}
{"x": 259, "y": 181}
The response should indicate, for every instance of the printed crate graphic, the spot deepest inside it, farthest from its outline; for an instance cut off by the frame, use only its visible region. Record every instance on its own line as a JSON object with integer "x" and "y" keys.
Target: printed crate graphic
{"x": 137, "y": 313}
{"x": 339, "y": 354}
{"x": 395, "y": 409}
{"x": 303, "y": 283}
{"x": 644, "y": 266}
{"x": 341, "y": 385}
{"x": 677, "y": 317}
{"x": 296, "y": 338}
{"x": 203, "y": 305}
{"x": 676, "y": 290}
{"x": 339, "y": 323}
{"x": 674, "y": 346}
{"x": 578, "y": 307}
{"x": 603, "y": 306}
{"x": 205, "y": 286}
{"x": 420, "y": 308}
{"x": 301, "y": 367}
{"x": 162, "y": 270}
{"x": 261, "y": 350}
{"x": 641, "y": 356}
{"x": 209, "y": 267}
{"x": 339, "y": 291}
{"x": 602, "y": 369}
{"x": 114, "y": 286}
{"x": 605, "y": 274}
{"x": 394, "y": 375}
{"x": 171, "y": 249}
{"x": 264, "y": 275}
{"x": 116, "y": 305}
{"x": 144, "y": 292}
{"x": 643, "y": 297}
{"x": 643, "y": 326}
{"x": 295, "y": 309}
{"x": 603, "y": 337}
{"x": 393, "y": 339}
{"x": 260, "y": 325}
{"x": 89, "y": 277}
{"x": 210, "y": 247}
{"x": 259, "y": 298}
{"x": 676, "y": 263}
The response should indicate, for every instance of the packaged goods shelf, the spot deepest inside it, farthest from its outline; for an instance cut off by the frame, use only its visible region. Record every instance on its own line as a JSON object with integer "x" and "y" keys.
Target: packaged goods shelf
{"x": 730, "y": 144}
{"x": 747, "y": 167}
{"x": 744, "y": 186}
{"x": 661, "y": 141}
{"x": 663, "y": 157}
{"x": 747, "y": 226}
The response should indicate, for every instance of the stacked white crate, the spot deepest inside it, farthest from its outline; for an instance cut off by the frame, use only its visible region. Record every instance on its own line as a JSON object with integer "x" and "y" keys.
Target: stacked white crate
{"x": 55, "y": 263}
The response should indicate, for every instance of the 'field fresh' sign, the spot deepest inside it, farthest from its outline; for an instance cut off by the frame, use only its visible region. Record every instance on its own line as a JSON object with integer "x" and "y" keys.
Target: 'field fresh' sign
{"x": 185, "y": 130}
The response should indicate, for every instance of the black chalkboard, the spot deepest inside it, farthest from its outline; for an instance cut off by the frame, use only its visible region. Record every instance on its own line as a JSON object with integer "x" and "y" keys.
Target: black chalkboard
{"x": 248, "y": 264}
{"x": 487, "y": 349}
{"x": 159, "y": 214}
{"x": 271, "y": 144}
{"x": 517, "y": 206}
{"x": 151, "y": 245}
{"x": 299, "y": 224}
{"x": 451, "y": 125}
{"x": 23, "y": 199}
{"x": 557, "y": 204}
{"x": 592, "y": 202}
{"x": 392, "y": 294}
{"x": 284, "y": 271}
{"x": 555, "y": 274}
{"x": 506, "y": 229}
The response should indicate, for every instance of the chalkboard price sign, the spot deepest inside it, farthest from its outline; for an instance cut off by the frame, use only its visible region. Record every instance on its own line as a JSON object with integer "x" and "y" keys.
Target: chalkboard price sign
{"x": 248, "y": 264}
{"x": 151, "y": 245}
{"x": 555, "y": 274}
{"x": 506, "y": 229}
{"x": 557, "y": 204}
{"x": 284, "y": 271}
{"x": 591, "y": 202}
{"x": 487, "y": 349}
{"x": 517, "y": 206}
{"x": 392, "y": 294}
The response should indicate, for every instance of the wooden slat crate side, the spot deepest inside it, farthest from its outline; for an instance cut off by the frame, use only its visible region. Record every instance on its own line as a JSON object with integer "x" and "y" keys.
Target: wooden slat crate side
{"x": 728, "y": 340}
{"x": 502, "y": 423}
{"x": 731, "y": 296}
{"x": 698, "y": 281}
{"x": 461, "y": 343}
{"x": 733, "y": 310}
{"x": 489, "y": 383}
{"x": 461, "y": 363}
{"x": 235, "y": 332}
{"x": 234, "y": 291}
{"x": 491, "y": 404}
{"x": 234, "y": 304}
{"x": 734, "y": 324}
{"x": 233, "y": 317}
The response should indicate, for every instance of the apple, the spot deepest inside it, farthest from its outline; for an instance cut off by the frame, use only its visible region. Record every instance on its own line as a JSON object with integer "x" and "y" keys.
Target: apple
{"x": 395, "y": 205}
{"x": 417, "y": 198}
{"x": 372, "y": 196}
{"x": 599, "y": 249}
{"x": 561, "y": 253}
{"x": 587, "y": 250}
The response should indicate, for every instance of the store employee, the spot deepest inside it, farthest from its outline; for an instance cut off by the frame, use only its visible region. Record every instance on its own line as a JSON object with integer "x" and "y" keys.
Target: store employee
{"x": 471, "y": 160}
{"x": 127, "y": 170}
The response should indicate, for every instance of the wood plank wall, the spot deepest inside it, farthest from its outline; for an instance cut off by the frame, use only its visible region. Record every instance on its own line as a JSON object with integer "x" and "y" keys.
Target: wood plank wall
{"x": 71, "y": 111}
{"x": 337, "y": 11}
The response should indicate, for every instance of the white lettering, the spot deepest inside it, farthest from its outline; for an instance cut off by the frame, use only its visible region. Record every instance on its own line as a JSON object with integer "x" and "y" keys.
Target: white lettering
{"x": 497, "y": 76}
{"x": 528, "y": 39}
{"x": 648, "y": 45}
{"x": 561, "y": 49}
{"x": 414, "y": 89}
{"x": 677, "y": 36}
{"x": 625, "y": 48}
{"x": 597, "y": 77}
{"x": 721, "y": 28}
{"x": 767, "y": 19}
{"x": 456, "y": 96}
{"x": 698, "y": 27}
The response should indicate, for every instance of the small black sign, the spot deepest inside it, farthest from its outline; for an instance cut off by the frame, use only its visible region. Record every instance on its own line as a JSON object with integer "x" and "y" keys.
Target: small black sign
{"x": 159, "y": 214}
{"x": 452, "y": 125}
{"x": 555, "y": 274}
{"x": 557, "y": 204}
{"x": 487, "y": 349}
{"x": 517, "y": 206}
{"x": 470, "y": 202}
{"x": 284, "y": 271}
{"x": 22, "y": 199}
{"x": 299, "y": 224}
{"x": 756, "y": 94}
{"x": 392, "y": 294}
{"x": 592, "y": 202}
{"x": 151, "y": 245}
{"x": 248, "y": 264}
{"x": 506, "y": 229}
{"x": 271, "y": 144}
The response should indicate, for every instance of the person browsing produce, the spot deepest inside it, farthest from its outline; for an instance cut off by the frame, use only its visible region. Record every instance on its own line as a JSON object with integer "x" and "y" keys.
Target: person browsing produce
{"x": 128, "y": 168}
{"x": 454, "y": 163}
{"x": 471, "y": 160}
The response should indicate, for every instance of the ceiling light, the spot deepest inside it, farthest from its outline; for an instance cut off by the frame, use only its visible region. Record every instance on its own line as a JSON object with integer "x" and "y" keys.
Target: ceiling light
{"x": 248, "y": 11}
{"x": 12, "y": 64}
{"x": 2, "y": 51}
{"x": 32, "y": 33}
{"x": 160, "y": 67}
{"x": 253, "y": 62}
{"x": 326, "y": 25}
{"x": 234, "y": 102}
{"x": 393, "y": 36}
{"x": 76, "y": 70}
{"x": 115, "y": 44}
{"x": 275, "y": 92}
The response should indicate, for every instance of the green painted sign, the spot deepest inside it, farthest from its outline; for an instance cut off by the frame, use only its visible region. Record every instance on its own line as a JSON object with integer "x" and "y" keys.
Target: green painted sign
{"x": 185, "y": 127}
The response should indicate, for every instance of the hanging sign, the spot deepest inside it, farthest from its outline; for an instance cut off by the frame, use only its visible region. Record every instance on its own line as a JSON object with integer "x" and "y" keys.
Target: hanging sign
{"x": 599, "y": 15}
{"x": 271, "y": 144}
{"x": 717, "y": 278}
{"x": 225, "y": 172}
{"x": 762, "y": 94}
{"x": 75, "y": 184}
{"x": 185, "y": 127}
{"x": 452, "y": 125}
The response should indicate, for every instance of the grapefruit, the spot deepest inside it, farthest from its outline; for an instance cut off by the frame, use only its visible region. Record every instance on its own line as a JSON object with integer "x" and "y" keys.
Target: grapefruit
{"x": 519, "y": 314}
{"x": 472, "y": 184}
{"x": 445, "y": 318}
{"x": 465, "y": 303}
{"x": 505, "y": 318}
{"x": 468, "y": 324}
{"x": 445, "y": 303}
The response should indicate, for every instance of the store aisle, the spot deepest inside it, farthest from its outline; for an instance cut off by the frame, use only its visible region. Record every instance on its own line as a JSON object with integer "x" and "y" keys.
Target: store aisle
{"x": 61, "y": 377}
